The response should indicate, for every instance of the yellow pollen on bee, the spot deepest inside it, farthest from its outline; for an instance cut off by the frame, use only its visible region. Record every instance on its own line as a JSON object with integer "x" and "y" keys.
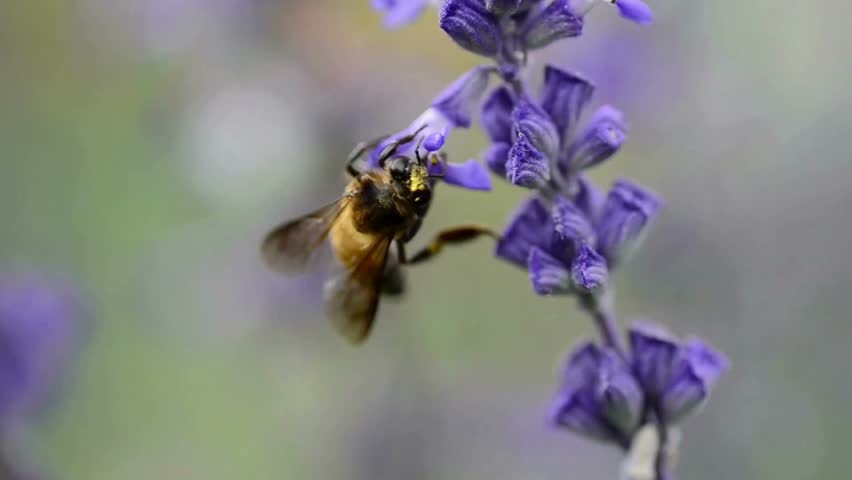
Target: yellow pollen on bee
{"x": 418, "y": 179}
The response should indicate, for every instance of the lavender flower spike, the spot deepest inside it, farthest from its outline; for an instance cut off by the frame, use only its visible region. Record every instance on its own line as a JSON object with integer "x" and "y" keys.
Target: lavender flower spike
{"x": 567, "y": 235}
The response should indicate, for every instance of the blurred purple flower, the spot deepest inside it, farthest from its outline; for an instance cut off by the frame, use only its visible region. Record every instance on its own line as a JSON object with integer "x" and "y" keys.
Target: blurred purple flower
{"x": 40, "y": 323}
{"x": 675, "y": 375}
{"x": 472, "y": 26}
{"x": 599, "y": 397}
{"x": 541, "y": 133}
{"x": 627, "y": 211}
{"x": 567, "y": 237}
{"x": 605, "y": 397}
{"x": 588, "y": 235}
{"x": 554, "y": 22}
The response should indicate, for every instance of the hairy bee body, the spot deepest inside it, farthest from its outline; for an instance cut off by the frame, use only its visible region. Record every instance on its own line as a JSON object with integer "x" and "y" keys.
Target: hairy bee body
{"x": 375, "y": 210}
{"x": 379, "y": 207}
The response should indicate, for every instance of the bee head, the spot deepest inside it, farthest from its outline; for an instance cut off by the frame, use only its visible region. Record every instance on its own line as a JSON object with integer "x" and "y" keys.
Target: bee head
{"x": 413, "y": 177}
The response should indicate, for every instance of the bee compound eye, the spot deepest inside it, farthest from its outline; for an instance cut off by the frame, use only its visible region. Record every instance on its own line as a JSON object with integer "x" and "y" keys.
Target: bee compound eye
{"x": 398, "y": 168}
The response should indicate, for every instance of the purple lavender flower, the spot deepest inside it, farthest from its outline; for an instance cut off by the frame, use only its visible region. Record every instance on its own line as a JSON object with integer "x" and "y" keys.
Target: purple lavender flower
{"x": 626, "y": 213}
{"x": 676, "y": 376}
{"x": 567, "y": 234}
{"x": 547, "y": 127}
{"x": 554, "y": 22}
{"x": 39, "y": 328}
{"x": 472, "y": 26}
{"x": 607, "y": 398}
{"x": 599, "y": 397}
{"x": 589, "y": 236}
{"x": 506, "y": 29}
{"x": 452, "y": 108}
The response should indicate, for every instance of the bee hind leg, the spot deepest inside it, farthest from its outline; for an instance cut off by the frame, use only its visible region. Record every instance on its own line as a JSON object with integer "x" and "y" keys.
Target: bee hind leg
{"x": 451, "y": 236}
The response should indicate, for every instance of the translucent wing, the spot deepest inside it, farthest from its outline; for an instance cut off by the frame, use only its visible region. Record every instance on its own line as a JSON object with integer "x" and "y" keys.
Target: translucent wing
{"x": 290, "y": 246}
{"x": 352, "y": 299}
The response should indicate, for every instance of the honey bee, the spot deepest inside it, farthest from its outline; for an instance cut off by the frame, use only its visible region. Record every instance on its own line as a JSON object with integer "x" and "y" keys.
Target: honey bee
{"x": 379, "y": 206}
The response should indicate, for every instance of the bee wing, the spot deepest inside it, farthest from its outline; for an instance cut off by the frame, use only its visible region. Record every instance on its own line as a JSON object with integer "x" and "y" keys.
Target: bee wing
{"x": 290, "y": 246}
{"x": 353, "y": 298}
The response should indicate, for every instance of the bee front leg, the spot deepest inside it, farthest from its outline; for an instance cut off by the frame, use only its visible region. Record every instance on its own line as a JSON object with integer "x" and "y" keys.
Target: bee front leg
{"x": 352, "y": 166}
{"x": 390, "y": 150}
{"x": 451, "y": 236}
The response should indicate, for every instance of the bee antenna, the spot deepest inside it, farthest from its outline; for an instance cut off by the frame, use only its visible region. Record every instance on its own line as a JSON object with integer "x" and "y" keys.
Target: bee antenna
{"x": 417, "y": 150}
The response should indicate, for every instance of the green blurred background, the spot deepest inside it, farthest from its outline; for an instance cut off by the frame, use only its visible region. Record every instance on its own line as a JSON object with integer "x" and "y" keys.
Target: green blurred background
{"x": 147, "y": 145}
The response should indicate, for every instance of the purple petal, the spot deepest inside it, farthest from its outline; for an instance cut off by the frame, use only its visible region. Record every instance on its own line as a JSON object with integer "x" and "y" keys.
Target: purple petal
{"x": 497, "y": 115}
{"x": 458, "y": 101}
{"x": 532, "y": 122}
{"x": 548, "y": 275}
{"x": 610, "y": 114}
{"x": 698, "y": 367}
{"x": 564, "y": 96}
{"x": 579, "y": 412}
{"x": 471, "y": 26}
{"x": 40, "y": 330}
{"x": 628, "y": 210}
{"x": 678, "y": 376}
{"x": 571, "y": 228}
{"x": 635, "y": 10}
{"x": 434, "y": 141}
{"x": 582, "y": 364}
{"x": 589, "y": 199}
{"x": 471, "y": 175}
{"x": 555, "y": 22}
{"x": 496, "y": 157}
{"x": 529, "y": 227}
{"x": 708, "y": 362}
{"x": 686, "y": 391}
{"x": 601, "y": 140}
{"x": 399, "y": 13}
{"x": 618, "y": 393}
{"x": 654, "y": 351}
{"x": 575, "y": 406}
{"x": 589, "y": 271}
{"x": 527, "y": 167}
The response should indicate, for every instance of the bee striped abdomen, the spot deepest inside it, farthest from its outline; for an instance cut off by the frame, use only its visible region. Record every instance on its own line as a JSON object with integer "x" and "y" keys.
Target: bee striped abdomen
{"x": 349, "y": 244}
